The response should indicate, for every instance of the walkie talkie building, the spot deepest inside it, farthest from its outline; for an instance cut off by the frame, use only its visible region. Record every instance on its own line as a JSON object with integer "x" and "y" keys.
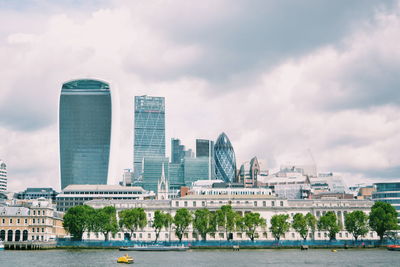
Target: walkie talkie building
{"x": 225, "y": 160}
{"x": 85, "y": 132}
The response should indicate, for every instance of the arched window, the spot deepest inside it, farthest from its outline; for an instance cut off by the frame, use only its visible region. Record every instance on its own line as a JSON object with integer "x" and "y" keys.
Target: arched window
{"x": 2, "y": 235}
{"x": 10, "y": 235}
{"x": 25, "y": 235}
{"x": 17, "y": 235}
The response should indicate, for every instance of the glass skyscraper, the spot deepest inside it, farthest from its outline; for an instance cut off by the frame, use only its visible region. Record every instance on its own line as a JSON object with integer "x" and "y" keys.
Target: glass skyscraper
{"x": 85, "y": 132}
{"x": 225, "y": 160}
{"x": 149, "y": 132}
{"x": 177, "y": 151}
{"x": 205, "y": 149}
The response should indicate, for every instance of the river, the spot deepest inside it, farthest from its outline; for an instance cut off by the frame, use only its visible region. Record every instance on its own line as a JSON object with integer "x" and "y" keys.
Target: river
{"x": 219, "y": 258}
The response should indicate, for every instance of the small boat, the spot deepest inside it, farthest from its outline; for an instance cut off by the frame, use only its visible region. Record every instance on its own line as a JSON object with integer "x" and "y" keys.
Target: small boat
{"x": 334, "y": 250}
{"x": 154, "y": 248}
{"x": 393, "y": 247}
{"x": 125, "y": 259}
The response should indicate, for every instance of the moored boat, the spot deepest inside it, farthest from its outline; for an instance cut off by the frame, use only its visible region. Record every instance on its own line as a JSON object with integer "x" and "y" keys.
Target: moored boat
{"x": 393, "y": 247}
{"x": 154, "y": 248}
{"x": 125, "y": 259}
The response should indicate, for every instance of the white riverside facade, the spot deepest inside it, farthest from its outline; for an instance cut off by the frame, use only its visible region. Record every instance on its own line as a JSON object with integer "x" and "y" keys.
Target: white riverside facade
{"x": 267, "y": 206}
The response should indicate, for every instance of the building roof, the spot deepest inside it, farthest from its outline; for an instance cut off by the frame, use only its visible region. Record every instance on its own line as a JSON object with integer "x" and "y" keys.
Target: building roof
{"x": 86, "y": 84}
{"x": 102, "y": 187}
{"x": 14, "y": 211}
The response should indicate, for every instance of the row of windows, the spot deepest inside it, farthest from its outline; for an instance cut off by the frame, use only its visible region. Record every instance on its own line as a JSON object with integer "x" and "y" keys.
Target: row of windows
{"x": 90, "y": 198}
{"x": 385, "y": 195}
{"x": 25, "y": 221}
{"x": 254, "y": 203}
{"x": 103, "y": 193}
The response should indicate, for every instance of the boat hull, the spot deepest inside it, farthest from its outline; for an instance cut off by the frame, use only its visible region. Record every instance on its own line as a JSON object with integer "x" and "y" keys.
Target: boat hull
{"x": 393, "y": 247}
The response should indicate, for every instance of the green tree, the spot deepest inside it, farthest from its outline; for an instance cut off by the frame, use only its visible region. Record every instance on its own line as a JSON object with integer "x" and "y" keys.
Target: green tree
{"x": 382, "y": 218}
{"x": 77, "y": 220}
{"x": 161, "y": 220}
{"x": 204, "y": 222}
{"x": 356, "y": 223}
{"x": 249, "y": 223}
{"x": 311, "y": 223}
{"x": 279, "y": 225}
{"x": 329, "y": 222}
{"x": 132, "y": 219}
{"x": 182, "y": 220}
{"x": 300, "y": 225}
{"x": 104, "y": 220}
{"x": 226, "y": 219}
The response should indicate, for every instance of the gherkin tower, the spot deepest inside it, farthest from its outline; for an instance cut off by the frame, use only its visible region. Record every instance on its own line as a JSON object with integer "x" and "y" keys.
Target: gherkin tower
{"x": 225, "y": 160}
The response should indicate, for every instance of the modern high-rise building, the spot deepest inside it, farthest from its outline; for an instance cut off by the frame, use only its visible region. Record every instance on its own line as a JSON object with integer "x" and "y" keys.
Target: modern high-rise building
{"x": 225, "y": 160}
{"x": 149, "y": 131}
{"x": 249, "y": 172}
{"x": 152, "y": 170}
{"x": 3, "y": 176}
{"x": 177, "y": 151}
{"x": 205, "y": 148}
{"x": 196, "y": 169}
{"x": 85, "y": 132}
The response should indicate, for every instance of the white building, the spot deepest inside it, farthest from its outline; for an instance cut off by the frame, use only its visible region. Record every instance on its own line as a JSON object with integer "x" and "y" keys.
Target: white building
{"x": 74, "y": 195}
{"x": 266, "y": 205}
{"x": 3, "y": 176}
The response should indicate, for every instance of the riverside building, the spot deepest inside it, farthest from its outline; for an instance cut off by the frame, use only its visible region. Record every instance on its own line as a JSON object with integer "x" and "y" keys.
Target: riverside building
{"x": 266, "y": 205}
{"x": 74, "y": 195}
{"x": 85, "y": 132}
{"x": 389, "y": 193}
{"x": 33, "y": 221}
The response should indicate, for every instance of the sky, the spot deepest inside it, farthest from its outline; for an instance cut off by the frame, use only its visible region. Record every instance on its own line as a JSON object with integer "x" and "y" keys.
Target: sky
{"x": 291, "y": 82}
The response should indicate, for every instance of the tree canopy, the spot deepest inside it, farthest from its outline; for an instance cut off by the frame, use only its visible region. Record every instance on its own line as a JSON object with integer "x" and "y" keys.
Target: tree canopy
{"x": 329, "y": 222}
{"x": 77, "y": 220}
{"x": 132, "y": 219}
{"x": 226, "y": 219}
{"x": 104, "y": 220}
{"x": 383, "y": 218}
{"x": 356, "y": 223}
{"x": 161, "y": 220}
{"x": 279, "y": 225}
{"x": 204, "y": 222}
{"x": 249, "y": 224}
{"x": 182, "y": 220}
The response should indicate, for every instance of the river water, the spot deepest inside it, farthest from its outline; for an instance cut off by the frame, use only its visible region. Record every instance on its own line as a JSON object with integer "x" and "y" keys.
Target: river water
{"x": 219, "y": 258}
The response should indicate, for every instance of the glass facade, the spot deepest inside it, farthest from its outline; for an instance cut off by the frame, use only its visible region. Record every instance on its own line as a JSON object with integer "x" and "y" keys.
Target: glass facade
{"x": 225, "y": 160}
{"x": 205, "y": 148}
{"x": 195, "y": 169}
{"x": 149, "y": 130}
{"x": 389, "y": 193}
{"x": 85, "y": 132}
{"x": 152, "y": 172}
{"x": 177, "y": 151}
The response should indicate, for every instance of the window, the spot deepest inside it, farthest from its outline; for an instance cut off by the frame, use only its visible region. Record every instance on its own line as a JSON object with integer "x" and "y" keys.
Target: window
{"x": 26, "y": 221}
{"x": 18, "y": 221}
{"x": 264, "y": 203}
{"x": 281, "y": 203}
{"x": 265, "y": 235}
{"x": 42, "y": 230}
{"x": 177, "y": 203}
{"x": 42, "y": 220}
{"x": 186, "y": 235}
{"x": 33, "y": 221}
{"x": 34, "y": 212}
{"x": 273, "y": 203}
{"x": 185, "y": 203}
{"x": 11, "y": 221}
{"x": 4, "y": 221}
{"x": 33, "y": 230}
{"x": 203, "y": 203}
{"x": 194, "y": 203}
{"x": 221, "y": 235}
{"x": 255, "y": 203}
{"x": 292, "y": 235}
{"x": 140, "y": 235}
{"x": 148, "y": 235}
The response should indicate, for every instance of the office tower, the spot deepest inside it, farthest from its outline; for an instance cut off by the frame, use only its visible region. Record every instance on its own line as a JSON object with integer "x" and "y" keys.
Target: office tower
{"x": 177, "y": 150}
{"x": 205, "y": 148}
{"x": 152, "y": 170}
{"x": 225, "y": 160}
{"x": 176, "y": 175}
{"x": 149, "y": 132}
{"x": 189, "y": 153}
{"x": 3, "y": 176}
{"x": 85, "y": 132}
{"x": 248, "y": 173}
{"x": 195, "y": 169}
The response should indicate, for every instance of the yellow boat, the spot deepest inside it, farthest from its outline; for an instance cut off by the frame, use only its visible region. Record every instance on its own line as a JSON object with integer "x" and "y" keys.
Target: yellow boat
{"x": 125, "y": 259}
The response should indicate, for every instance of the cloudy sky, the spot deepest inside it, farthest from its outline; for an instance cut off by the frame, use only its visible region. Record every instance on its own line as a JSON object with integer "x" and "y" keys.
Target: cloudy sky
{"x": 284, "y": 79}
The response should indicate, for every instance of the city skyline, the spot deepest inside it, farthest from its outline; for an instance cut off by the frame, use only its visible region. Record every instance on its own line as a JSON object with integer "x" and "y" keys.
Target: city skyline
{"x": 315, "y": 86}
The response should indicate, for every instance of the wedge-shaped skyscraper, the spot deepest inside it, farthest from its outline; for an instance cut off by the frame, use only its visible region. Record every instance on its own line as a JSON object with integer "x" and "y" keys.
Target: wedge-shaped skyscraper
{"x": 85, "y": 132}
{"x": 225, "y": 160}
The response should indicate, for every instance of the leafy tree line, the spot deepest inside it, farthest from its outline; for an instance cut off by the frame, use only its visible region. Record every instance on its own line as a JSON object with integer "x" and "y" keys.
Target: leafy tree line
{"x": 382, "y": 219}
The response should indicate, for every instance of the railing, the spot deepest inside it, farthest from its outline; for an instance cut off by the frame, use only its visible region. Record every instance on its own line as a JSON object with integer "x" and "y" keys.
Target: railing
{"x": 227, "y": 244}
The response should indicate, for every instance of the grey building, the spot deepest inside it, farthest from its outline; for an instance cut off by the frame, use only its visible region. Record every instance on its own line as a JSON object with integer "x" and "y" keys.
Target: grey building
{"x": 149, "y": 130}
{"x": 85, "y": 132}
{"x": 195, "y": 169}
{"x": 38, "y": 192}
{"x": 177, "y": 151}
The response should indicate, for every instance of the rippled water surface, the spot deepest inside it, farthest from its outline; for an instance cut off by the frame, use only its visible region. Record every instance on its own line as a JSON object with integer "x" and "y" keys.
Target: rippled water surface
{"x": 220, "y": 258}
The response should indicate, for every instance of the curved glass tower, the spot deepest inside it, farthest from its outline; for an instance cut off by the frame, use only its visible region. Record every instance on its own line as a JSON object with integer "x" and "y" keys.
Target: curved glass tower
{"x": 225, "y": 160}
{"x": 85, "y": 132}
